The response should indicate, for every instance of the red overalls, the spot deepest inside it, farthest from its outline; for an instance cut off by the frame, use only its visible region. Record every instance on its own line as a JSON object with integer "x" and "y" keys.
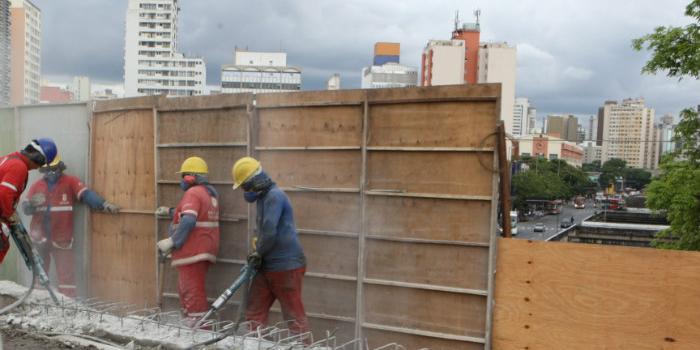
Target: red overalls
{"x": 199, "y": 251}
{"x": 53, "y": 233}
{"x": 14, "y": 169}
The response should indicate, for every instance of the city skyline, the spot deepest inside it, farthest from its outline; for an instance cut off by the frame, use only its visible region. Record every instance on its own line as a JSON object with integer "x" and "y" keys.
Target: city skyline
{"x": 561, "y": 68}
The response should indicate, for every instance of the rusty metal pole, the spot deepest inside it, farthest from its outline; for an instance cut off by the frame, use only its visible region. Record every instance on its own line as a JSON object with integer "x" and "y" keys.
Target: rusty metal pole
{"x": 504, "y": 181}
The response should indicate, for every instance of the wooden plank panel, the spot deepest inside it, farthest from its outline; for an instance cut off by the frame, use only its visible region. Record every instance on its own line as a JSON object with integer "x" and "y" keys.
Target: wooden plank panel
{"x": 430, "y": 172}
{"x": 309, "y": 97}
{"x": 436, "y": 93}
{"x": 446, "y": 124}
{"x": 444, "y": 312}
{"x": 144, "y": 102}
{"x": 377, "y": 338}
{"x": 229, "y": 125}
{"x": 300, "y": 127}
{"x": 219, "y": 160}
{"x": 336, "y": 169}
{"x": 329, "y": 297}
{"x": 424, "y": 218}
{"x": 576, "y": 296}
{"x": 231, "y": 203}
{"x": 442, "y": 265}
{"x": 323, "y": 254}
{"x": 122, "y": 265}
{"x": 326, "y": 211}
{"x": 220, "y": 101}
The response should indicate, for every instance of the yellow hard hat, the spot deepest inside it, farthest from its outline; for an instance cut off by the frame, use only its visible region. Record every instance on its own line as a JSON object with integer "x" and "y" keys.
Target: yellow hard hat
{"x": 243, "y": 170}
{"x": 194, "y": 165}
{"x": 54, "y": 163}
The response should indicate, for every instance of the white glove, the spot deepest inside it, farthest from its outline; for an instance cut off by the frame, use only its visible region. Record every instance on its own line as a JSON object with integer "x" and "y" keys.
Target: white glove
{"x": 163, "y": 211}
{"x": 37, "y": 200}
{"x": 109, "y": 207}
{"x": 165, "y": 245}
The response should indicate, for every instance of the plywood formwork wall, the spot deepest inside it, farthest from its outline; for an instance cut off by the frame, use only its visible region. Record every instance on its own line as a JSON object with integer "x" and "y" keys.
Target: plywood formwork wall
{"x": 392, "y": 193}
{"x": 576, "y": 296}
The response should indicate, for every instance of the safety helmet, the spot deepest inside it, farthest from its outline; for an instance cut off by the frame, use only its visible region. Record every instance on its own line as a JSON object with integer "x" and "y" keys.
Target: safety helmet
{"x": 56, "y": 162}
{"x": 244, "y": 169}
{"x": 194, "y": 165}
{"x": 46, "y": 147}
{"x": 56, "y": 165}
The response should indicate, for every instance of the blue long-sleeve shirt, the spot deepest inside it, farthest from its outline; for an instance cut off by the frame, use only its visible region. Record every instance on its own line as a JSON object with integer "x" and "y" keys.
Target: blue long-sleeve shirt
{"x": 278, "y": 243}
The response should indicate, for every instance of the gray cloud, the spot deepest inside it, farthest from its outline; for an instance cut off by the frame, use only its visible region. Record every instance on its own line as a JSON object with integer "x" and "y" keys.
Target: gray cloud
{"x": 572, "y": 55}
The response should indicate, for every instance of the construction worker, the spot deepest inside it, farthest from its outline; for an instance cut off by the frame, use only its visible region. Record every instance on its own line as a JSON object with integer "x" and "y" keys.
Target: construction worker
{"x": 50, "y": 203}
{"x": 278, "y": 256}
{"x": 14, "y": 170}
{"x": 193, "y": 236}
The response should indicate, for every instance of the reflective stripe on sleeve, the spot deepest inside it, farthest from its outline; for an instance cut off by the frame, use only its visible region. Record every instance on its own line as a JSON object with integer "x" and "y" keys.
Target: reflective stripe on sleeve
{"x": 207, "y": 224}
{"x": 9, "y": 185}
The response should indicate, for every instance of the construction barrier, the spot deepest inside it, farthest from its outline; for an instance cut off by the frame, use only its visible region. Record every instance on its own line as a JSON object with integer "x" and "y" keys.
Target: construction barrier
{"x": 553, "y": 295}
{"x": 393, "y": 193}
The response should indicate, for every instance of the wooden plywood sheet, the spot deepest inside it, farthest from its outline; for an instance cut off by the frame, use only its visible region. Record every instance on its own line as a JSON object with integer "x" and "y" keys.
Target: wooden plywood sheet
{"x": 329, "y": 296}
{"x": 331, "y": 169}
{"x": 234, "y": 236}
{"x": 309, "y": 97}
{"x": 430, "y": 172}
{"x": 435, "y": 264}
{"x": 577, "y": 296}
{"x": 303, "y": 127}
{"x": 326, "y": 211}
{"x": 195, "y": 104}
{"x": 444, "y": 312}
{"x": 219, "y": 160}
{"x": 231, "y": 203}
{"x": 377, "y": 338}
{"x": 325, "y": 255}
{"x": 489, "y": 92}
{"x": 426, "y": 218}
{"x": 210, "y": 126}
{"x": 446, "y": 124}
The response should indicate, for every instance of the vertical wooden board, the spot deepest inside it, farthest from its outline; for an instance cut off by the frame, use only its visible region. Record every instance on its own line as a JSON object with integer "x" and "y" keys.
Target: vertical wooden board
{"x": 122, "y": 265}
{"x": 426, "y": 218}
{"x": 311, "y": 126}
{"x": 435, "y": 124}
{"x": 329, "y": 296}
{"x": 122, "y": 158}
{"x": 331, "y": 255}
{"x": 445, "y": 312}
{"x": 209, "y": 126}
{"x": 576, "y": 296}
{"x": 231, "y": 203}
{"x": 234, "y": 240}
{"x": 326, "y": 211}
{"x": 330, "y": 169}
{"x": 435, "y": 264}
{"x": 219, "y": 161}
{"x": 377, "y": 338}
{"x": 430, "y": 172}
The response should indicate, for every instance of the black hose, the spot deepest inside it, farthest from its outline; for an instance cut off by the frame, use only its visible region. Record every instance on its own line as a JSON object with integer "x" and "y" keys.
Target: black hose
{"x": 21, "y": 300}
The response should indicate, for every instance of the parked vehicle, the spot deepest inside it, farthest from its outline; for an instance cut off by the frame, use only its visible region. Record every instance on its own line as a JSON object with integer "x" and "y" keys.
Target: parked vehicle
{"x": 539, "y": 227}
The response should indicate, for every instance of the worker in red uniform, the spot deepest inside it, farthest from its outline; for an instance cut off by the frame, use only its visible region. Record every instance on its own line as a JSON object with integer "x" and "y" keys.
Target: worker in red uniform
{"x": 278, "y": 257}
{"x": 50, "y": 203}
{"x": 193, "y": 236}
{"x": 14, "y": 170}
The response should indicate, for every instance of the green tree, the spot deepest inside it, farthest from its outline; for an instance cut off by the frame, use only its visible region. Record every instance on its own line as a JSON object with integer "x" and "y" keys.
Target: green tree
{"x": 611, "y": 169}
{"x": 677, "y": 190}
{"x": 636, "y": 178}
{"x": 594, "y": 166}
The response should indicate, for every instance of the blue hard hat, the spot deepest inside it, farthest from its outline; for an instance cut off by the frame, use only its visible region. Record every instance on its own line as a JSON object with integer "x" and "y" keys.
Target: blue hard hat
{"x": 47, "y": 148}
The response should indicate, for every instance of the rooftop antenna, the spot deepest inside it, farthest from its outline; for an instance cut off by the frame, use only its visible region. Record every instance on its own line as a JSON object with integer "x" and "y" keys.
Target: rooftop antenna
{"x": 456, "y": 20}
{"x": 477, "y": 14}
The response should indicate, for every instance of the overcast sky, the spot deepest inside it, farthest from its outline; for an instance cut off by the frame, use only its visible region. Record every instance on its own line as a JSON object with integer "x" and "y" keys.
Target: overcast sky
{"x": 572, "y": 54}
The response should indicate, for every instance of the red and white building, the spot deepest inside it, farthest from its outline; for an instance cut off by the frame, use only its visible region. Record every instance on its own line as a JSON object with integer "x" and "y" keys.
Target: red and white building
{"x": 549, "y": 147}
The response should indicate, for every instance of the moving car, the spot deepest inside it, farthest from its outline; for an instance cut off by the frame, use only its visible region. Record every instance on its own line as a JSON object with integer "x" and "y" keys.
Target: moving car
{"x": 539, "y": 227}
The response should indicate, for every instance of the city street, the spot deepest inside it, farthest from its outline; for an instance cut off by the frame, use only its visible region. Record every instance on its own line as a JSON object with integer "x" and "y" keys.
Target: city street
{"x": 551, "y": 222}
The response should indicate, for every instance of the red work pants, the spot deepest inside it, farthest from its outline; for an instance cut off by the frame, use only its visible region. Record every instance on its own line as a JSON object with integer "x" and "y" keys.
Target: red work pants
{"x": 284, "y": 286}
{"x": 65, "y": 266}
{"x": 190, "y": 286}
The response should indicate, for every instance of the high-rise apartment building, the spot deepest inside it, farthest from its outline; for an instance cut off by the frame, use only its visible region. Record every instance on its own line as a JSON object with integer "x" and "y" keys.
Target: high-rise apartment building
{"x": 333, "y": 83}
{"x": 591, "y": 152}
{"x": 442, "y": 63}
{"x": 531, "y": 120}
{"x": 80, "y": 88}
{"x": 591, "y": 134}
{"x": 386, "y": 70}
{"x": 258, "y": 72}
{"x": 497, "y": 64}
{"x": 667, "y": 130}
{"x": 471, "y": 34}
{"x": 25, "y": 52}
{"x": 563, "y": 126}
{"x": 4, "y": 53}
{"x": 601, "y": 122}
{"x": 521, "y": 118}
{"x": 152, "y": 64}
{"x": 628, "y": 133}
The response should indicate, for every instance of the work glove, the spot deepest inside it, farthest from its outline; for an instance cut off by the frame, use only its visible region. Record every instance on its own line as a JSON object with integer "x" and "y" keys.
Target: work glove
{"x": 163, "y": 211}
{"x": 38, "y": 200}
{"x": 37, "y": 237}
{"x": 109, "y": 207}
{"x": 165, "y": 246}
{"x": 254, "y": 260}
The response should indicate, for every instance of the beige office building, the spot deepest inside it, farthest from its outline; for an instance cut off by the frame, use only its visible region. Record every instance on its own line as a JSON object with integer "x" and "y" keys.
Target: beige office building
{"x": 25, "y": 54}
{"x": 628, "y": 133}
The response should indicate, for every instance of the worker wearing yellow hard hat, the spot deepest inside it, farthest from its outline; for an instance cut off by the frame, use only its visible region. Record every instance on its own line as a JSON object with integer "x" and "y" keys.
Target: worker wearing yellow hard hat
{"x": 50, "y": 204}
{"x": 193, "y": 235}
{"x": 278, "y": 255}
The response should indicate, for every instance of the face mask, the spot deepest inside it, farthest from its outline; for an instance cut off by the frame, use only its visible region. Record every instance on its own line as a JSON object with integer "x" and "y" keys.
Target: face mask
{"x": 52, "y": 176}
{"x": 184, "y": 185}
{"x": 250, "y": 197}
